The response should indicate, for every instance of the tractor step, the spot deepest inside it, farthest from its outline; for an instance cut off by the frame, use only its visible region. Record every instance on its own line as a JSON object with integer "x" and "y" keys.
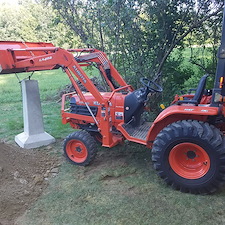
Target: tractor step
{"x": 139, "y": 132}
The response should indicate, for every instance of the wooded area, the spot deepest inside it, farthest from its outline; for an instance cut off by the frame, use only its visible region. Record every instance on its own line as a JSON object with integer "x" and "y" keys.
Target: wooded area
{"x": 142, "y": 38}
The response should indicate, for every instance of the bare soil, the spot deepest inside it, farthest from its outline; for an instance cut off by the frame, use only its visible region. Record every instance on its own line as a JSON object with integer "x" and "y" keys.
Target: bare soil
{"x": 24, "y": 174}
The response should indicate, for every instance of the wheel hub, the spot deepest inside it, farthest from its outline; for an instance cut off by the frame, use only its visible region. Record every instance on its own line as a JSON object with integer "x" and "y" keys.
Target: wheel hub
{"x": 191, "y": 154}
{"x": 189, "y": 160}
{"x": 78, "y": 149}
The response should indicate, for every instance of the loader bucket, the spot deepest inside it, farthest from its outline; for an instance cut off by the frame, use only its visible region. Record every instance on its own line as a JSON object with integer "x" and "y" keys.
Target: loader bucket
{"x": 12, "y": 52}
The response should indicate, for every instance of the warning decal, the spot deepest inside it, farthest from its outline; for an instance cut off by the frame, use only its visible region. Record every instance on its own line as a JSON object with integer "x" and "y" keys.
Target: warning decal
{"x": 119, "y": 115}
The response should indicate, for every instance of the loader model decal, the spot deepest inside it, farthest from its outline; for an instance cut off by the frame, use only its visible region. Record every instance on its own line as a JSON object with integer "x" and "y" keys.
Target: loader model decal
{"x": 45, "y": 59}
{"x": 79, "y": 74}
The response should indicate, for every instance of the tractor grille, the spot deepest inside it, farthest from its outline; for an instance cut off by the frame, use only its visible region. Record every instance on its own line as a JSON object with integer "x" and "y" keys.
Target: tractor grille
{"x": 139, "y": 132}
{"x": 82, "y": 109}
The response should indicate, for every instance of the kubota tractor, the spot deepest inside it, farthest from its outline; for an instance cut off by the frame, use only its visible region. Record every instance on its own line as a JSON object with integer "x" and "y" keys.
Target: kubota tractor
{"x": 187, "y": 138}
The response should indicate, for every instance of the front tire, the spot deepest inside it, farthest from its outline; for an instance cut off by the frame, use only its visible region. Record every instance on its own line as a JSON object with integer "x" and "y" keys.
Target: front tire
{"x": 190, "y": 156}
{"x": 97, "y": 136}
{"x": 80, "y": 148}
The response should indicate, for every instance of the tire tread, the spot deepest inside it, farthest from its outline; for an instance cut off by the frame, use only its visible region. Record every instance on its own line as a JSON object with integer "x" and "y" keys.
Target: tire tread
{"x": 194, "y": 129}
{"x": 87, "y": 140}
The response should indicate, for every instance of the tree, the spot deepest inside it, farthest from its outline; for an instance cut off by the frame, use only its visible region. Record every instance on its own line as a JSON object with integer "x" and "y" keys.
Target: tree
{"x": 29, "y": 21}
{"x": 139, "y": 34}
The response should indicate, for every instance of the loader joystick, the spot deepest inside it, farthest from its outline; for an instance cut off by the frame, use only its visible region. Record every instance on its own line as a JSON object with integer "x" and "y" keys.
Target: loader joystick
{"x": 151, "y": 86}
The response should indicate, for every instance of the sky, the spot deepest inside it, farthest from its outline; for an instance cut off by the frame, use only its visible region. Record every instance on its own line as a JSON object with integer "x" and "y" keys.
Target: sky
{"x": 9, "y": 1}
{"x": 13, "y": 2}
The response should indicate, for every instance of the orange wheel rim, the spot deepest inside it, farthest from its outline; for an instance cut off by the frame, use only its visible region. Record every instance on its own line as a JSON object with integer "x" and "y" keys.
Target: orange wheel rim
{"x": 189, "y": 160}
{"x": 76, "y": 151}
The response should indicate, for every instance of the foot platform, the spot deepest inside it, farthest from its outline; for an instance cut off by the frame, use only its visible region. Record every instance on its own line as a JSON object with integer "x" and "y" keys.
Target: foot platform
{"x": 139, "y": 132}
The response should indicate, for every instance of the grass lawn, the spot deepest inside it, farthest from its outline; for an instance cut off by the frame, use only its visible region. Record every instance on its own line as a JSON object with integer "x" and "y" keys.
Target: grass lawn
{"x": 50, "y": 82}
{"x": 120, "y": 187}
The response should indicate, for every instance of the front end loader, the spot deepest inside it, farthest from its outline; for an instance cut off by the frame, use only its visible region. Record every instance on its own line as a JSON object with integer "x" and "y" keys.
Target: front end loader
{"x": 187, "y": 138}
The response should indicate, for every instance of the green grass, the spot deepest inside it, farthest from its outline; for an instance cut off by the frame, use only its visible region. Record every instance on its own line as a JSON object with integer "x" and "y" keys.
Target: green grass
{"x": 120, "y": 187}
{"x": 11, "y": 117}
{"x": 202, "y": 56}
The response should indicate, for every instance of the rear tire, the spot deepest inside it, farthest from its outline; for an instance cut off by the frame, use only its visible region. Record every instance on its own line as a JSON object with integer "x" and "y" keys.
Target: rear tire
{"x": 80, "y": 148}
{"x": 190, "y": 156}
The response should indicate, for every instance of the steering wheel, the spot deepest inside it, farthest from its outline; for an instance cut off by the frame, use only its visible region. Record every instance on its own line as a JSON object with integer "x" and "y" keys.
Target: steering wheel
{"x": 151, "y": 85}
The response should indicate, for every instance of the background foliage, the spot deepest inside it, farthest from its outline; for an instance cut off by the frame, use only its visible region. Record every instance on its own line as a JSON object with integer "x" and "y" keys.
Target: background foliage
{"x": 173, "y": 42}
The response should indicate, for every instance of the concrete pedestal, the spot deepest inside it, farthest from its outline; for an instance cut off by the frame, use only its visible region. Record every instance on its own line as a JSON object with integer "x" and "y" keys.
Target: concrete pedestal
{"x": 34, "y": 135}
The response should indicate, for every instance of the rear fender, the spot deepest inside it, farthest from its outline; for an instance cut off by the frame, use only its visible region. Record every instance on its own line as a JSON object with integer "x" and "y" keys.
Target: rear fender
{"x": 179, "y": 112}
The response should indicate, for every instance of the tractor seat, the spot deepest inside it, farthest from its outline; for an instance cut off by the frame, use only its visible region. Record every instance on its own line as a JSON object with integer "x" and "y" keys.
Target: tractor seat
{"x": 198, "y": 94}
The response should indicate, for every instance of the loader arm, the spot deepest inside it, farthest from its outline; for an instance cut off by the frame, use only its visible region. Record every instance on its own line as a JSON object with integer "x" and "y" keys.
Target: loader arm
{"x": 16, "y": 57}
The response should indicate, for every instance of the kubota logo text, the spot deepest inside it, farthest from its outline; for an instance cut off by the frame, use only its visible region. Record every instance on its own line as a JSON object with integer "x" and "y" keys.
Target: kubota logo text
{"x": 80, "y": 74}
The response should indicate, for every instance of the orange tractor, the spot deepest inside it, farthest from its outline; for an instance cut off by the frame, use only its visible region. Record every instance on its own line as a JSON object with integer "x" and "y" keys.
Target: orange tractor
{"x": 187, "y": 141}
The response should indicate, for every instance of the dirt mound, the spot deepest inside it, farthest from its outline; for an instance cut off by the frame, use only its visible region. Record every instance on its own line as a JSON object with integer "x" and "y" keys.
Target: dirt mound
{"x": 24, "y": 175}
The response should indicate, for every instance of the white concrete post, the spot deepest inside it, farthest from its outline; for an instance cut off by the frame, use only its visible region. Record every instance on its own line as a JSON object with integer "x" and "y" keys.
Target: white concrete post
{"x": 34, "y": 135}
